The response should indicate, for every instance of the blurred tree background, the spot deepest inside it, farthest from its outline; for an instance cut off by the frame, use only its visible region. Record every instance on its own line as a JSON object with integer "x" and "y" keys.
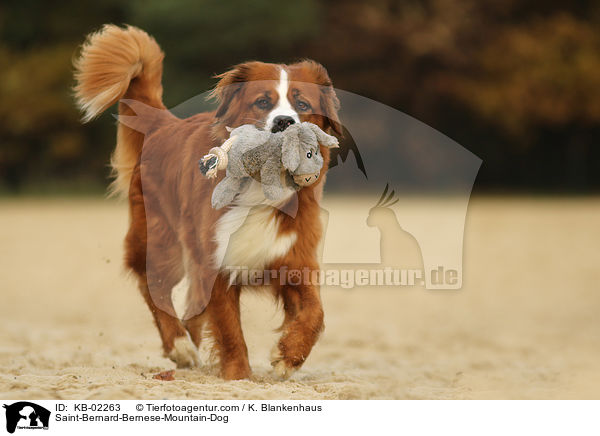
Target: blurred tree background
{"x": 516, "y": 82}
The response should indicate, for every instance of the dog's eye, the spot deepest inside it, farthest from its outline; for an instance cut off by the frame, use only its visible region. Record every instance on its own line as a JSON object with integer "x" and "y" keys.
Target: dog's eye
{"x": 302, "y": 106}
{"x": 309, "y": 154}
{"x": 262, "y": 103}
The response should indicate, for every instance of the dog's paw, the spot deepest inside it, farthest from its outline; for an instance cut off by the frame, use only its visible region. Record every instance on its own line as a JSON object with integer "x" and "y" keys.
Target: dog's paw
{"x": 184, "y": 353}
{"x": 283, "y": 370}
{"x": 280, "y": 367}
{"x": 236, "y": 370}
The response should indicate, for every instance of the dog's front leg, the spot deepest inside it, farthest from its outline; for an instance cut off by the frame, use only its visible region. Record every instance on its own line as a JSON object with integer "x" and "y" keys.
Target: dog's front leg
{"x": 223, "y": 312}
{"x": 302, "y": 326}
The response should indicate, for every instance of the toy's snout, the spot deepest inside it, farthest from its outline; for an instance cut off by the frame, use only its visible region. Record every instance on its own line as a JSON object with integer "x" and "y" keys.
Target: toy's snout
{"x": 305, "y": 179}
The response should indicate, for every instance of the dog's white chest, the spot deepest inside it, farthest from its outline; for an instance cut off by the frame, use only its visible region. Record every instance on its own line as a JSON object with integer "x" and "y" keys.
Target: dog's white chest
{"x": 247, "y": 236}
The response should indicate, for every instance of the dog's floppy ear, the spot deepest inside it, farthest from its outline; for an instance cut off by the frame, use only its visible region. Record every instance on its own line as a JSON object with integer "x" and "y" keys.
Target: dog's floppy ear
{"x": 330, "y": 104}
{"x": 230, "y": 84}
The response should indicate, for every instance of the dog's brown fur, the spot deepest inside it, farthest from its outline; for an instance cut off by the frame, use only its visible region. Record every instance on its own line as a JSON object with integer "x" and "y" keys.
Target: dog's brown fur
{"x": 171, "y": 219}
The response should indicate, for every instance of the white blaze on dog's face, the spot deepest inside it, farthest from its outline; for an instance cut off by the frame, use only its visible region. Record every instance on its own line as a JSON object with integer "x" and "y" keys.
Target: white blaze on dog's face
{"x": 274, "y": 96}
{"x": 283, "y": 114}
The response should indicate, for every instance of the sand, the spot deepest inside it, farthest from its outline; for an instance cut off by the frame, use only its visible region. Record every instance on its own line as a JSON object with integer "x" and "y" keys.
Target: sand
{"x": 525, "y": 324}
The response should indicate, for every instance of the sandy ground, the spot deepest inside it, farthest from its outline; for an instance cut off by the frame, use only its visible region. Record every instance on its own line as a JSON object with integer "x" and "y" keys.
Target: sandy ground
{"x": 525, "y": 325}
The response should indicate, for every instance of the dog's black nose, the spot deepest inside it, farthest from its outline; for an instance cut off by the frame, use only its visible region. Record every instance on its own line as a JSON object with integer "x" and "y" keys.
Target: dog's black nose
{"x": 281, "y": 122}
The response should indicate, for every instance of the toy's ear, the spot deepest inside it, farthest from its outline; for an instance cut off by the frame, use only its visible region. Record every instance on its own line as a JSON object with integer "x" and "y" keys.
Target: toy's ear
{"x": 290, "y": 152}
{"x": 323, "y": 138}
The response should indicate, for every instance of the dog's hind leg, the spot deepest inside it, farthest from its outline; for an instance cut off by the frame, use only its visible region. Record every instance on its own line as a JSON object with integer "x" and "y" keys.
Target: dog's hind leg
{"x": 154, "y": 254}
{"x": 197, "y": 300}
{"x": 177, "y": 344}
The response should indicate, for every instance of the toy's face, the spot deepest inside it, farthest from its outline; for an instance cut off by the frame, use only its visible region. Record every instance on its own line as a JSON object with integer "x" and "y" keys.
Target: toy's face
{"x": 310, "y": 166}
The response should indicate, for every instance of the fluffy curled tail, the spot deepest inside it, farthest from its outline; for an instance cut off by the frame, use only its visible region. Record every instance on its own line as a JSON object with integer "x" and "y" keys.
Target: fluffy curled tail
{"x": 105, "y": 70}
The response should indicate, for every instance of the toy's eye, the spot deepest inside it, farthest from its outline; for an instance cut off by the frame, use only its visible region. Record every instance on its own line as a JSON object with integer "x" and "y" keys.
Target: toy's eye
{"x": 309, "y": 154}
{"x": 302, "y": 106}
{"x": 263, "y": 103}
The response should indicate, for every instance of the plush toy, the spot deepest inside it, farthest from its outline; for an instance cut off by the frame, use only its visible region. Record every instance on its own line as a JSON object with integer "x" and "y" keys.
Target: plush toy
{"x": 291, "y": 157}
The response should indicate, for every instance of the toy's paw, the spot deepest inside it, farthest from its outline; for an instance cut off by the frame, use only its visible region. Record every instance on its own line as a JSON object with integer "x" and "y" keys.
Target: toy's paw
{"x": 222, "y": 195}
{"x": 218, "y": 204}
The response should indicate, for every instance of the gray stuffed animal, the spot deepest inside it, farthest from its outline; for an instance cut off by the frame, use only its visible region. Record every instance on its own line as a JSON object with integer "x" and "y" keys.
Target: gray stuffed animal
{"x": 265, "y": 156}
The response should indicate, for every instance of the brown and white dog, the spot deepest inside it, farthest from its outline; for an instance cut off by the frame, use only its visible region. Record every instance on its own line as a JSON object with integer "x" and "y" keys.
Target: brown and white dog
{"x": 174, "y": 233}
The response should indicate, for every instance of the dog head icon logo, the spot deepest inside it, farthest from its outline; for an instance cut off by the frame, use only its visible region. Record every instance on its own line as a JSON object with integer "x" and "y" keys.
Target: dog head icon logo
{"x": 26, "y": 415}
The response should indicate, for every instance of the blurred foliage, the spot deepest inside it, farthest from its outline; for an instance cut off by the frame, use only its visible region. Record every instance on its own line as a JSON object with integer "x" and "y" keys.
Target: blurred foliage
{"x": 204, "y": 38}
{"x": 517, "y": 82}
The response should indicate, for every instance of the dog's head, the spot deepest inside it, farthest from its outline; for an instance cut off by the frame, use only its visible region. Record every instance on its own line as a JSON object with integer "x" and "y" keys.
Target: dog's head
{"x": 273, "y": 97}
